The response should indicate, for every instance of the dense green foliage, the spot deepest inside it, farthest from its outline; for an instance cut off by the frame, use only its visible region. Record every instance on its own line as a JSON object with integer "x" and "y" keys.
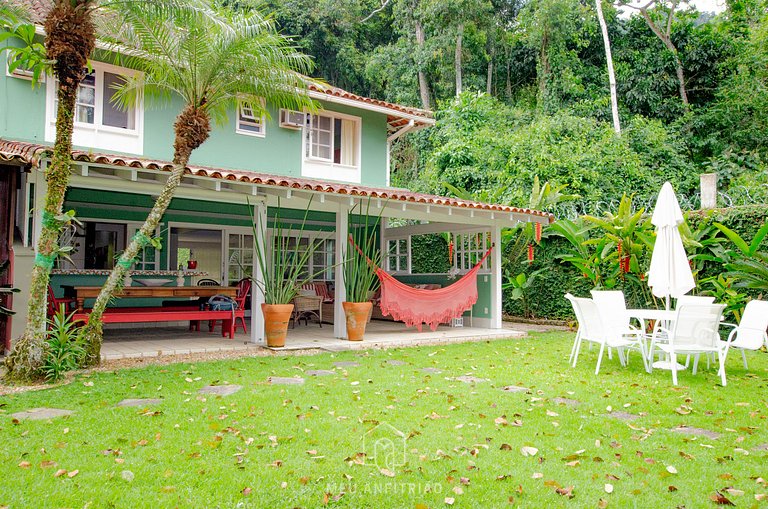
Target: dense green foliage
{"x": 719, "y": 265}
{"x": 547, "y": 113}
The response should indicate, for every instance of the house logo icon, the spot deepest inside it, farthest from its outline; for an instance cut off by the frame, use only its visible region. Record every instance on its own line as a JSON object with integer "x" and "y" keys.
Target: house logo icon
{"x": 384, "y": 447}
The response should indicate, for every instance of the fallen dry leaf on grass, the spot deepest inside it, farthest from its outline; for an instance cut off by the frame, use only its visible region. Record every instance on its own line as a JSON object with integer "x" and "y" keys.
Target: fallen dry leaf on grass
{"x": 720, "y": 499}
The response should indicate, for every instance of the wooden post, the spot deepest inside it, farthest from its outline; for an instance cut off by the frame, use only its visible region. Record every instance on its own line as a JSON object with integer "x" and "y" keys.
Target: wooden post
{"x": 257, "y": 294}
{"x": 340, "y": 292}
{"x": 496, "y": 301}
{"x": 708, "y": 182}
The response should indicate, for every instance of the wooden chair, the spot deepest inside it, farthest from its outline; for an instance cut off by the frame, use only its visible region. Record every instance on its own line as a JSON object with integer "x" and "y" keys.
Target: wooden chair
{"x": 241, "y": 298}
{"x": 308, "y": 305}
{"x": 54, "y": 303}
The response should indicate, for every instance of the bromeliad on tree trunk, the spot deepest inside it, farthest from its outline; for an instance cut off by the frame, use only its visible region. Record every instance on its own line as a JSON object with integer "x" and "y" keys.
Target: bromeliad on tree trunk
{"x": 201, "y": 59}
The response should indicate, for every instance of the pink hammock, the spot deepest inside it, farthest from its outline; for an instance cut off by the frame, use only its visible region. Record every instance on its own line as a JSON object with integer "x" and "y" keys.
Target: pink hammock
{"x": 416, "y": 306}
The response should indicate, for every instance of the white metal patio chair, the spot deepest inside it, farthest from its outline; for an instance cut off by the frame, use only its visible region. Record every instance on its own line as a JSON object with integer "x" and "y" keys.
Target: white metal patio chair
{"x": 592, "y": 328}
{"x": 683, "y": 300}
{"x": 613, "y": 311}
{"x": 750, "y": 334}
{"x": 694, "y": 331}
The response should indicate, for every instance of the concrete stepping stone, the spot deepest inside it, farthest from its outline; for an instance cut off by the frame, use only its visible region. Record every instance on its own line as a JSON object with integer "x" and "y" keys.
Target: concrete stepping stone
{"x": 39, "y": 414}
{"x": 319, "y": 372}
{"x": 566, "y": 401}
{"x": 623, "y": 416}
{"x": 284, "y": 380}
{"x": 431, "y": 370}
{"x": 393, "y": 362}
{"x": 220, "y": 390}
{"x": 514, "y": 388}
{"x": 469, "y": 379}
{"x": 761, "y": 447}
{"x": 346, "y": 364}
{"x": 139, "y": 402}
{"x": 700, "y": 432}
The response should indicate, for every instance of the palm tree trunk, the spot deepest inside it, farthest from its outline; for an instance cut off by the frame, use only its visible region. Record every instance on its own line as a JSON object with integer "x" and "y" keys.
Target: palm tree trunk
{"x": 69, "y": 42}
{"x": 192, "y": 128}
{"x": 609, "y": 61}
{"x": 26, "y": 358}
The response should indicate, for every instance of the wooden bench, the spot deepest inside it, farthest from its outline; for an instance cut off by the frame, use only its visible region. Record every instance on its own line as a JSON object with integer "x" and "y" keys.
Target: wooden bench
{"x": 166, "y": 314}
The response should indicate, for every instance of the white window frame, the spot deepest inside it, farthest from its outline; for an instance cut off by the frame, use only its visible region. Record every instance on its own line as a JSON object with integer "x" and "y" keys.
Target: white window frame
{"x": 97, "y": 135}
{"x": 261, "y": 122}
{"x": 398, "y": 254}
{"x": 315, "y": 167}
{"x": 312, "y": 236}
{"x": 471, "y": 248}
{"x": 20, "y": 73}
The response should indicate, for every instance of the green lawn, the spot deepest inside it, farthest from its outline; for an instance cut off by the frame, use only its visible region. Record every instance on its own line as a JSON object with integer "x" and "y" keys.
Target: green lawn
{"x": 300, "y": 445}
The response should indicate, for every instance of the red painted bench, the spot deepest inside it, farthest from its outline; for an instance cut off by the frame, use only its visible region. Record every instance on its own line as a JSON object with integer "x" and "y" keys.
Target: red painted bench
{"x": 166, "y": 314}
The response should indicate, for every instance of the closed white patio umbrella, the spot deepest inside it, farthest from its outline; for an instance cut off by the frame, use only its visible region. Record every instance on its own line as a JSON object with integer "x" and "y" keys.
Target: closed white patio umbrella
{"x": 670, "y": 274}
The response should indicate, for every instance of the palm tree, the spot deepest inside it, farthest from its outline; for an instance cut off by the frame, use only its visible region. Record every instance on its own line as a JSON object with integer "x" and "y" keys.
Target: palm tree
{"x": 215, "y": 66}
{"x": 70, "y": 37}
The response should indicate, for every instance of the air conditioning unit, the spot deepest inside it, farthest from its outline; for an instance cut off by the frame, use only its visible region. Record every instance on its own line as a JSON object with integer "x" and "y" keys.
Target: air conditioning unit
{"x": 290, "y": 119}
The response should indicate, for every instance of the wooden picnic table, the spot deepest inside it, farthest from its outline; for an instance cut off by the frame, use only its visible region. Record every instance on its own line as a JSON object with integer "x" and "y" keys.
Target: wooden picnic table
{"x": 89, "y": 292}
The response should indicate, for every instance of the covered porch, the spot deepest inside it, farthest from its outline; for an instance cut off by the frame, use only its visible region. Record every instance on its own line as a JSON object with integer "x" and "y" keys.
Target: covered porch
{"x": 211, "y": 218}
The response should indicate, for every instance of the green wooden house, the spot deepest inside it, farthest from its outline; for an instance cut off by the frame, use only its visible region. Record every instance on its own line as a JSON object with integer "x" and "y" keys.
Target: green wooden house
{"x": 336, "y": 157}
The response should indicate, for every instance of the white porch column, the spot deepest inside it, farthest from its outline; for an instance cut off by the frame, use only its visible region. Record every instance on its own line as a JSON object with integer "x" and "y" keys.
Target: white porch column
{"x": 496, "y": 278}
{"x": 41, "y": 189}
{"x": 340, "y": 293}
{"x": 257, "y": 296}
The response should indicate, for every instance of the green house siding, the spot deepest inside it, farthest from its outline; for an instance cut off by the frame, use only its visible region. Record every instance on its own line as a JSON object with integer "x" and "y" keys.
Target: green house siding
{"x": 22, "y": 117}
{"x": 22, "y": 108}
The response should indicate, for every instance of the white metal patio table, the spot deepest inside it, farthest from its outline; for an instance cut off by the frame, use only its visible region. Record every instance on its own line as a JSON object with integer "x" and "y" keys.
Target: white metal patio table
{"x": 660, "y": 315}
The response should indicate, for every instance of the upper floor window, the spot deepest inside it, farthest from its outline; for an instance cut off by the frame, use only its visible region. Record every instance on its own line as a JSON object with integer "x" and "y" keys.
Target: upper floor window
{"x": 332, "y": 147}
{"x": 248, "y": 122}
{"x": 99, "y": 121}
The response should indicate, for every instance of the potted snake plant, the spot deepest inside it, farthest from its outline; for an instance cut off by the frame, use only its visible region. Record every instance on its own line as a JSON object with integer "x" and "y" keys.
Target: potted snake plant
{"x": 360, "y": 279}
{"x": 284, "y": 263}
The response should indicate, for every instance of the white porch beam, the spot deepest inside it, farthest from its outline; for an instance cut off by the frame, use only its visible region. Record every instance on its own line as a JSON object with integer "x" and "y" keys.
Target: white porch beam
{"x": 340, "y": 293}
{"x": 496, "y": 278}
{"x": 257, "y": 295}
{"x": 427, "y": 228}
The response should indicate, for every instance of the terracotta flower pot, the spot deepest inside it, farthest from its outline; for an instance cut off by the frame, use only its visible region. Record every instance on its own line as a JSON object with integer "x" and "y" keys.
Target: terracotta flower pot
{"x": 357, "y": 317}
{"x": 276, "y": 319}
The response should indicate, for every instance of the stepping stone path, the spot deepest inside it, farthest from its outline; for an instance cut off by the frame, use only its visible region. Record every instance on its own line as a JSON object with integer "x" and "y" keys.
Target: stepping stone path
{"x": 346, "y": 364}
{"x": 284, "y": 380}
{"x": 393, "y": 362}
{"x": 469, "y": 379}
{"x": 220, "y": 390}
{"x": 514, "y": 388}
{"x": 700, "y": 432}
{"x": 762, "y": 447}
{"x": 139, "y": 402}
{"x": 623, "y": 416}
{"x": 39, "y": 414}
{"x": 566, "y": 401}
{"x": 319, "y": 372}
{"x": 431, "y": 370}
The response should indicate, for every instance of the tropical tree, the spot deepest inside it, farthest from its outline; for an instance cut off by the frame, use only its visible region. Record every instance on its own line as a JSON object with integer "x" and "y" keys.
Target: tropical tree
{"x": 215, "y": 64}
{"x": 70, "y": 38}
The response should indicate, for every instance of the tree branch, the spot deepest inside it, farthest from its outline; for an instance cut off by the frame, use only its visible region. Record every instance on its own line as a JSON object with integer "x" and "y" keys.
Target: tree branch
{"x": 384, "y": 3}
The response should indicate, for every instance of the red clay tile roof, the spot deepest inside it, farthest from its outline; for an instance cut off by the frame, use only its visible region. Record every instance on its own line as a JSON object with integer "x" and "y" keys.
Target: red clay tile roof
{"x": 33, "y": 153}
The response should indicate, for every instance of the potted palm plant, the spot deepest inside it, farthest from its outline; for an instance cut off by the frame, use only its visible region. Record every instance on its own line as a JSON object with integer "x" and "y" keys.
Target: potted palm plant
{"x": 360, "y": 279}
{"x": 283, "y": 260}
